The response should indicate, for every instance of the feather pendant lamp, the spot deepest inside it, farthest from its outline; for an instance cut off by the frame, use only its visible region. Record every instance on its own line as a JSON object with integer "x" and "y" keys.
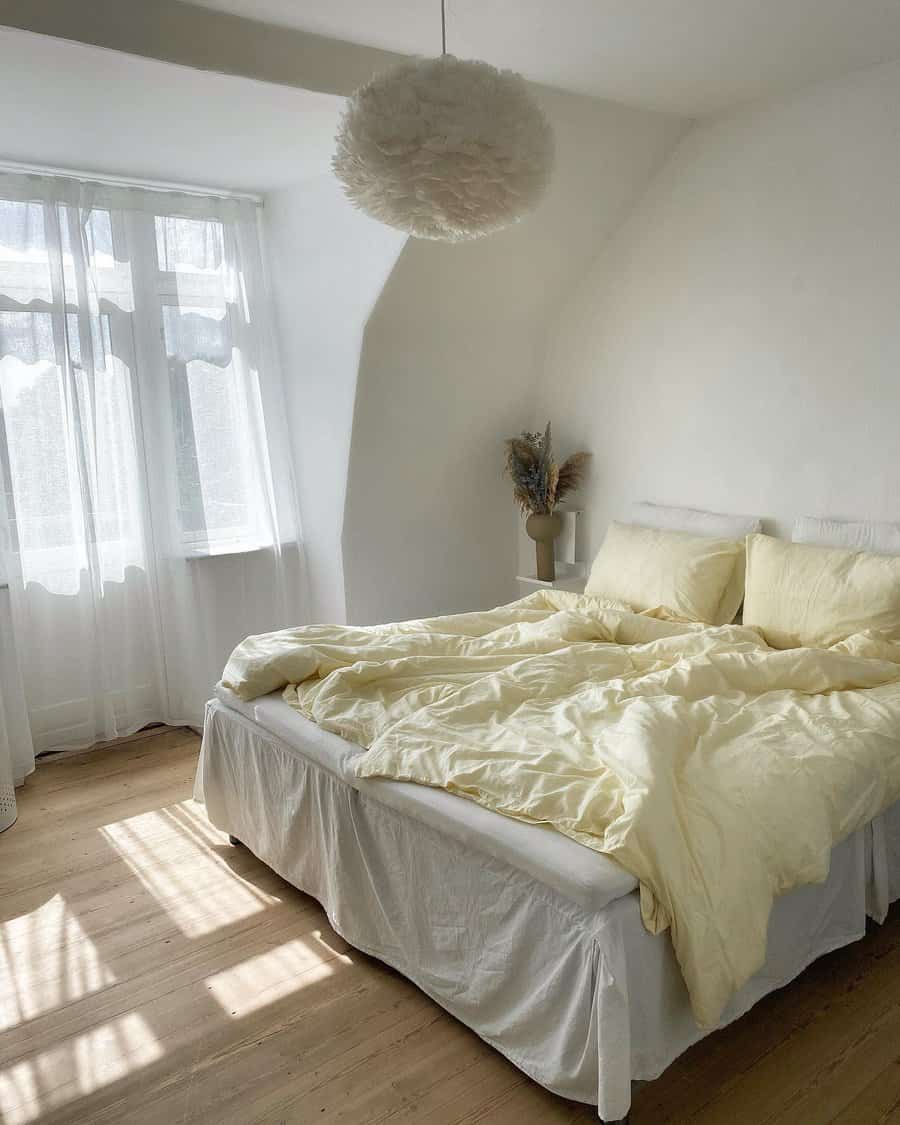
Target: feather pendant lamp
{"x": 444, "y": 148}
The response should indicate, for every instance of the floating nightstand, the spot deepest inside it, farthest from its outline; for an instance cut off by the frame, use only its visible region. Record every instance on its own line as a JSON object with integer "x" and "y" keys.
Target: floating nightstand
{"x": 575, "y": 583}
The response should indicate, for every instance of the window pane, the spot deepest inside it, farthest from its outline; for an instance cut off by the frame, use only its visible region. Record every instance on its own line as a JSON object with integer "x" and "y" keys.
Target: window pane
{"x": 101, "y": 343}
{"x": 107, "y": 423}
{"x": 215, "y": 470}
{"x": 193, "y": 245}
{"x": 28, "y": 336}
{"x": 197, "y": 334}
{"x": 34, "y": 416}
{"x": 24, "y": 268}
{"x": 107, "y": 270}
{"x": 213, "y": 477}
{"x": 21, "y": 228}
{"x": 63, "y": 499}
{"x": 95, "y": 234}
{"x": 99, "y": 237}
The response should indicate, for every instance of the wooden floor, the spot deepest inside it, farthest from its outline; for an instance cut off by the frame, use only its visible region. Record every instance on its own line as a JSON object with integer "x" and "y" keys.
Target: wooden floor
{"x": 151, "y": 973}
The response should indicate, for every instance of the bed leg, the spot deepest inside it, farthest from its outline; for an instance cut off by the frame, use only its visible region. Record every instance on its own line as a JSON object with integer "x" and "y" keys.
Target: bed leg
{"x": 234, "y": 840}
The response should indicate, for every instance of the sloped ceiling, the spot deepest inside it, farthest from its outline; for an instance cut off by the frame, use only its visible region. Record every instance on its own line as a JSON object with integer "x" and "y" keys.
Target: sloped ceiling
{"x": 693, "y": 57}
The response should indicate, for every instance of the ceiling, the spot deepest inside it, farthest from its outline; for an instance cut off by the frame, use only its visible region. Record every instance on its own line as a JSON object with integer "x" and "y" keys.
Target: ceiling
{"x": 692, "y": 57}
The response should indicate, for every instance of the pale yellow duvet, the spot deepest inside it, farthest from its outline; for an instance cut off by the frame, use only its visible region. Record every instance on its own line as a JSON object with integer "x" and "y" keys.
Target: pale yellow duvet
{"x": 716, "y": 770}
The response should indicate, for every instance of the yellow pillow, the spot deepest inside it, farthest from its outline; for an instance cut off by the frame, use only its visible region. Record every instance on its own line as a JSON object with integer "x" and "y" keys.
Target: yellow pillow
{"x": 649, "y": 567}
{"x": 804, "y": 595}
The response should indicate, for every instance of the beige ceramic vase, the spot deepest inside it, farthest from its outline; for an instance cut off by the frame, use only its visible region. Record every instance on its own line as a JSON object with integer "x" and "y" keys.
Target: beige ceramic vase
{"x": 543, "y": 529}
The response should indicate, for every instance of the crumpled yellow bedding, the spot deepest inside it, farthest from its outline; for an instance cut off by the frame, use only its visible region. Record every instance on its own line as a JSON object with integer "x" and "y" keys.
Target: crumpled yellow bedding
{"x": 718, "y": 771}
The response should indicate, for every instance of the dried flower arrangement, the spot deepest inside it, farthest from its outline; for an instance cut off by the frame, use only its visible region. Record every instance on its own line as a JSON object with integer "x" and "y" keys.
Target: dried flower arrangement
{"x": 539, "y": 483}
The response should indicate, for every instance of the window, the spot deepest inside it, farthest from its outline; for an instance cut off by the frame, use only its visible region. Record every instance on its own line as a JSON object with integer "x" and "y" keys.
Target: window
{"x": 127, "y": 377}
{"x": 216, "y": 474}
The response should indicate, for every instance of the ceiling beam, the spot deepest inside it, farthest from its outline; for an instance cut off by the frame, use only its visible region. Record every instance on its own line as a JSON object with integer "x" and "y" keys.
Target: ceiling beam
{"x": 183, "y": 33}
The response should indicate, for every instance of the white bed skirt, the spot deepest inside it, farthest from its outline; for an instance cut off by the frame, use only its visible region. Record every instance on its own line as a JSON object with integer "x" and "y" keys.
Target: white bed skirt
{"x": 582, "y": 1002}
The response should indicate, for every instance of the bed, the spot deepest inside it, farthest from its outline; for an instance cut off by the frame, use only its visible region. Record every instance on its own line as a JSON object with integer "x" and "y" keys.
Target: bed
{"x": 530, "y": 938}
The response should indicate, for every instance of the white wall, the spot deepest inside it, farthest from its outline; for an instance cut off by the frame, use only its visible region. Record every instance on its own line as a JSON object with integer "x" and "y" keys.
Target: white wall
{"x": 328, "y": 264}
{"x": 101, "y": 111}
{"x": 737, "y": 345}
{"x": 450, "y": 359}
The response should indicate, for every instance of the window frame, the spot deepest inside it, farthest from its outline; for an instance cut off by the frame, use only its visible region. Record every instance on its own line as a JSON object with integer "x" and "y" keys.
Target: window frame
{"x": 137, "y": 341}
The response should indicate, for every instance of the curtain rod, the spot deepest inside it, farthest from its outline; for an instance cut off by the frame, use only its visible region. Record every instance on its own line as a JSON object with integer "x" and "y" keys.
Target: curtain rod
{"x": 124, "y": 181}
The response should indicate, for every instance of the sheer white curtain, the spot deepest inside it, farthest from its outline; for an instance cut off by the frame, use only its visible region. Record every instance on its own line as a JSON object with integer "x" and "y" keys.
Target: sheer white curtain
{"x": 149, "y": 518}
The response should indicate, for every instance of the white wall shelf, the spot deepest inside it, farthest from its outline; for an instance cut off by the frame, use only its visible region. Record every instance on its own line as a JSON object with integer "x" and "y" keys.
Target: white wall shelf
{"x": 573, "y": 582}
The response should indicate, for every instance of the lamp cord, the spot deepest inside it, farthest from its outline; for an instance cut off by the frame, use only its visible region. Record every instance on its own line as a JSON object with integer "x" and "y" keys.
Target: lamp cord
{"x": 443, "y": 29}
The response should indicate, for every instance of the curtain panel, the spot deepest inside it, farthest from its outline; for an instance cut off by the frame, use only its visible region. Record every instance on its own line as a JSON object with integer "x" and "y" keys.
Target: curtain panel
{"x": 147, "y": 511}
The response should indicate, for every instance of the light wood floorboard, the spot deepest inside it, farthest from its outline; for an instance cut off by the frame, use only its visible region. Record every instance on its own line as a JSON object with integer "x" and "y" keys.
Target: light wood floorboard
{"x": 151, "y": 974}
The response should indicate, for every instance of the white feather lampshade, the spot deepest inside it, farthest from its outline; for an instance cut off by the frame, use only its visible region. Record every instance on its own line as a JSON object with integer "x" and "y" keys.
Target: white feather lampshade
{"x": 444, "y": 148}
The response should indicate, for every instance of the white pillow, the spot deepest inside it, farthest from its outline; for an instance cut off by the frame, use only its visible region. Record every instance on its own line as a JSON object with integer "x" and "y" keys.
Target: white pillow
{"x": 712, "y": 525}
{"x": 694, "y": 521}
{"x": 854, "y": 535}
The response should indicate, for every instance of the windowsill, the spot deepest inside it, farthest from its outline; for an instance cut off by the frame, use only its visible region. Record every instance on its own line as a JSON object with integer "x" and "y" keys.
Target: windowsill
{"x": 222, "y": 553}
{"x": 216, "y": 553}
{"x": 232, "y": 551}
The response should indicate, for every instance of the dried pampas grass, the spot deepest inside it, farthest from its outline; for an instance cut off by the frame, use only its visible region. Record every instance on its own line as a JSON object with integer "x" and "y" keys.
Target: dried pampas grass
{"x": 539, "y": 483}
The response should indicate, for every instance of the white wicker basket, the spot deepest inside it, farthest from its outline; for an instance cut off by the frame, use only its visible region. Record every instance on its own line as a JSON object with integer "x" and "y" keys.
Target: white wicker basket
{"x": 7, "y": 790}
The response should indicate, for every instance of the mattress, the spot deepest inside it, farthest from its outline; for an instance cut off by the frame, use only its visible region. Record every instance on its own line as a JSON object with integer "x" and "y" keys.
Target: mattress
{"x": 576, "y": 872}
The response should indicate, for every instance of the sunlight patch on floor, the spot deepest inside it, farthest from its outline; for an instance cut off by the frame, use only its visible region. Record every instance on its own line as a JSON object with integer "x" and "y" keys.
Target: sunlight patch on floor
{"x": 173, "y": 861}
{"x": 192, "y": 817}
{"x": 75, "y": 1068}
{"x": 46, "y": 961}
{"x": 270, "y": 976}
